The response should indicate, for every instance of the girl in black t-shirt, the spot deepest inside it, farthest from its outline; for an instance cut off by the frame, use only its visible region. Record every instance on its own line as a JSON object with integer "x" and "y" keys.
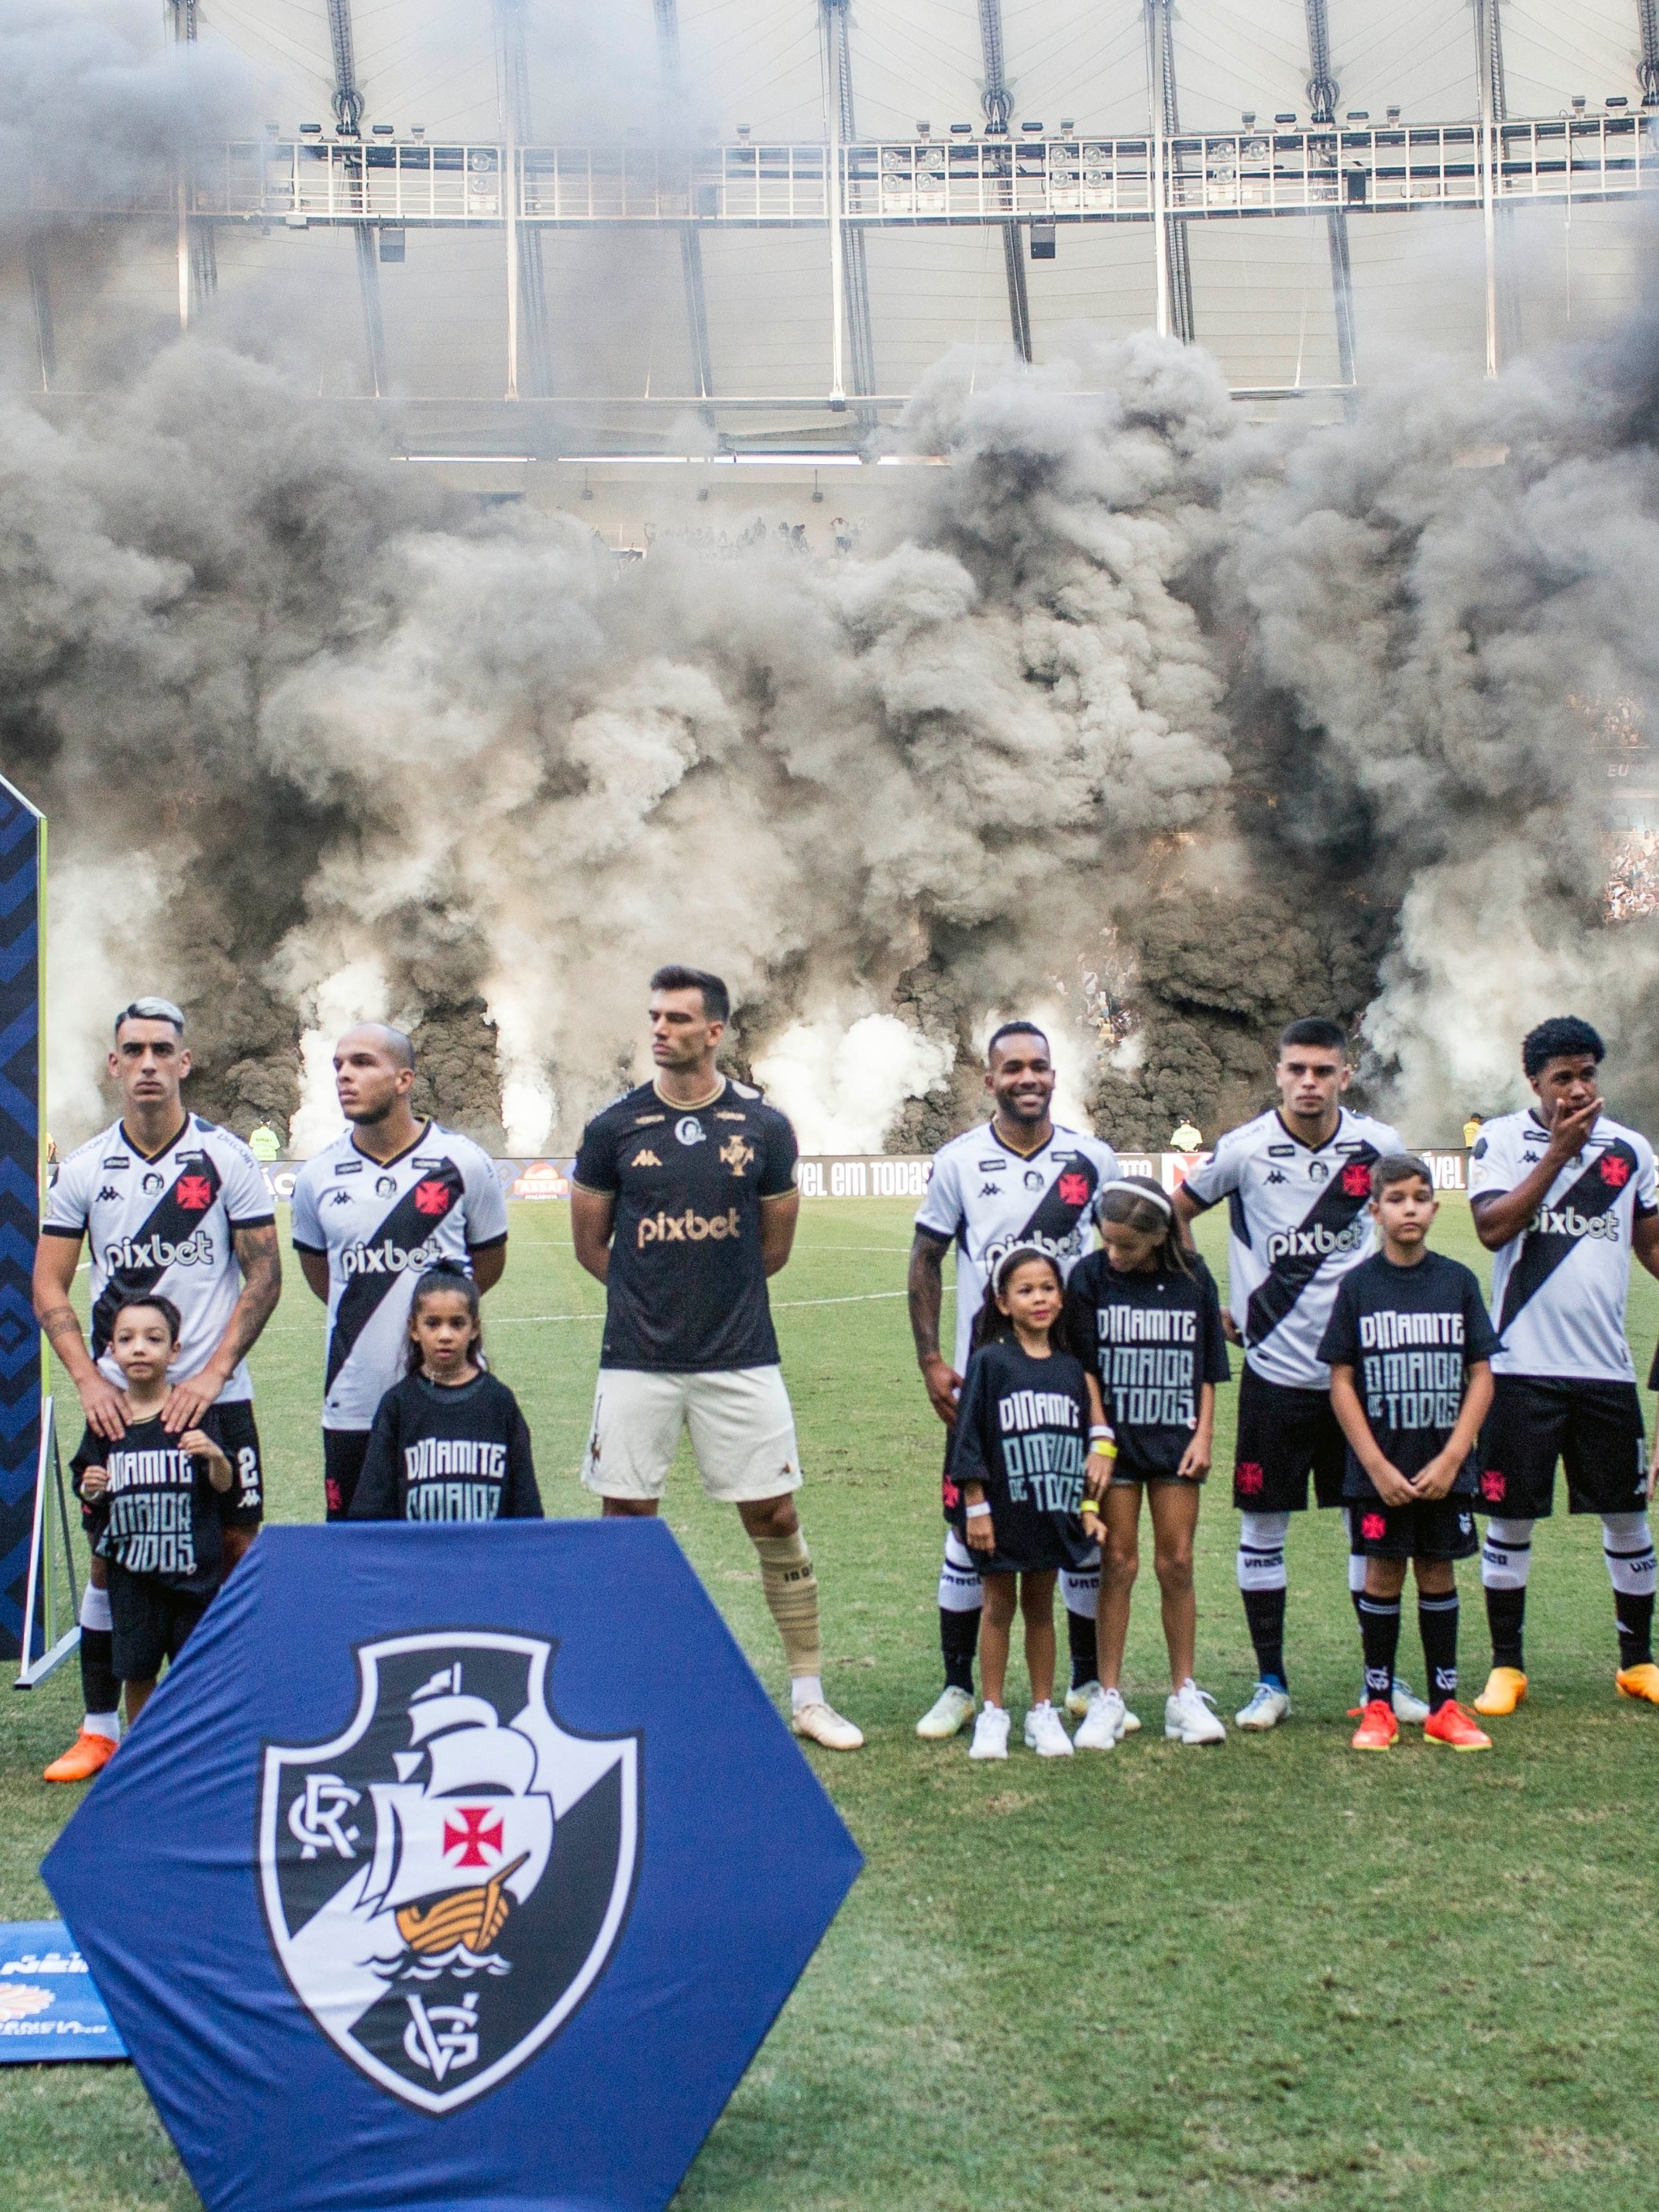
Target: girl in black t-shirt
{"x": 1028, "y": 1420}
{"x": 1145, "y": 1318}
{"x": 449, "y": 1443}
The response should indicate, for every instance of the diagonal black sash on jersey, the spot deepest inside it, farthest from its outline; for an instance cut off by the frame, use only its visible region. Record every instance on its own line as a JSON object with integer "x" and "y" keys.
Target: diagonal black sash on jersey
{"x": 1334, "y": 1212}
{"x": 170, "y": 1223}
{"x": 406, "y": 1228}
{"x": 1542, "y": 1250}
{"x": 1057, "y": 1215}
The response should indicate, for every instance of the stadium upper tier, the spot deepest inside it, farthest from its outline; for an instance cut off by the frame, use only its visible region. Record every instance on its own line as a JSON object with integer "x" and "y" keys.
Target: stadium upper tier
{"x": 802, "y": 204}
{"x": 307, "y": 180}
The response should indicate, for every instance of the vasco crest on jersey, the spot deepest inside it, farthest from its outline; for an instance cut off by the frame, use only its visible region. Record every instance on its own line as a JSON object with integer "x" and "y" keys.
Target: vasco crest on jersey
{"x": 445, "y": 1881}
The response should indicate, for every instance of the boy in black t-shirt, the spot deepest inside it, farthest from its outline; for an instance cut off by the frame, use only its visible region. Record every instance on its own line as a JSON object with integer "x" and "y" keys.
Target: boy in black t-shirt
{"x": 160, "y": 1504}
{"x": 1410, "y": 1344}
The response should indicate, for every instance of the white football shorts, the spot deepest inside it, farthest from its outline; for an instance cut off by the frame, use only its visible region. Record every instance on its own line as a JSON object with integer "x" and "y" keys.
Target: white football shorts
{"x": 743, "y": 1433}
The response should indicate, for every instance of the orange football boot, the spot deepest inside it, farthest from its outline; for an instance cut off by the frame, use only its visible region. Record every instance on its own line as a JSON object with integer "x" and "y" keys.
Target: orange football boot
{"x": 87, "y": 1756}
{"x": 1641, "y": 1681}
{"x": 1452, "y": 1726}
{"x": 1379, "y": 1729}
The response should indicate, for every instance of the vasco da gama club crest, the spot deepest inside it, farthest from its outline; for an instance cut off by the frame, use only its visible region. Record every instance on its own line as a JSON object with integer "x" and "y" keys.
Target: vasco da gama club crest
{"x": 446, "y": 1882}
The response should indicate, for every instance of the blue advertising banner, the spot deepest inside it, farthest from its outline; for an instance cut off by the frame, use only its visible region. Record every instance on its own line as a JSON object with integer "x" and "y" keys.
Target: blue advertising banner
{"x": 454, "y": 1866}
{"x": 49, "y": 2008}
{"x": 23, "y": 868}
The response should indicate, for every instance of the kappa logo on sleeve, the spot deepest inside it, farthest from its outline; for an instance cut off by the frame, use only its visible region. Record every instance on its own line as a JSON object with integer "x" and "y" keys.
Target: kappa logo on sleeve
{"x": 445, "y": 1882}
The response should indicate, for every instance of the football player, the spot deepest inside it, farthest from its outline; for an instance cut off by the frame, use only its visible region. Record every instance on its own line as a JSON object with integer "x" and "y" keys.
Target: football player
{"x": 1562, "y": 1195}
{"x": 1297, "y": 1182}
{"x": 682, "y": 1202}
{"x": 372, "y": 1213}
{"x": 175, "y": 1206}
{"x": 1019, "y": 1179}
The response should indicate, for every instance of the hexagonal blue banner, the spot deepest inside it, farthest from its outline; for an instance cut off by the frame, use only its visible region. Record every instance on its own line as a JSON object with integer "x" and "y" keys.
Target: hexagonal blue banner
{"x": 462, "y": 1868}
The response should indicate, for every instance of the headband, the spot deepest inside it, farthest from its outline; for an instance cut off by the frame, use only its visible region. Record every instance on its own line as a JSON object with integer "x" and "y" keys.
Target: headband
{"x": 1137, "y": 1190}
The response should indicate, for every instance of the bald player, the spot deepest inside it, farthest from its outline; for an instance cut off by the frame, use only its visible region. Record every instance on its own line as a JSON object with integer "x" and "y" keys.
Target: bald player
{"x": 388, "y": 1197}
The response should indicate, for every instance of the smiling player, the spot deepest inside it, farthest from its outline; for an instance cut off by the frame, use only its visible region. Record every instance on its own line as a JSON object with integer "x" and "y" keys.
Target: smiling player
{"x": 1298, "y": 1181}
{"x": 372, "y": 1212}
{"x": 1017, "y": 1180}
{"x": 1562, "y": 1196}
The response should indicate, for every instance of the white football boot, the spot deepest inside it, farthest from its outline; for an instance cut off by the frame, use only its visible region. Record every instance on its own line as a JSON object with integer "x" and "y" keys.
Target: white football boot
{"x": 1266, "y": 1708}
{"x": 1077, "y": 1701}
{"x": 825, "y": 1725}
{"x": 951, "y": 1711}
{"x": 1103, "y": 1724}
{"x": 1407, "y": 1705}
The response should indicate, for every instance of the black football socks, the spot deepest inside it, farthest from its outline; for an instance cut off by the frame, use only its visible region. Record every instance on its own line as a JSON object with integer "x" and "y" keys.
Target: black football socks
{"x": 1436, "y": 1621}
{"x": 1379, "y": 1632}
{"x": 1506, "y": 1611}
{"x": 1264, "y": 1614}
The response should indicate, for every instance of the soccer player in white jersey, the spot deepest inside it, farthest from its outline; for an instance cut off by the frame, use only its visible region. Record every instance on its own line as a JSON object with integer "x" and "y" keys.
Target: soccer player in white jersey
{"x": 1017, "y": 1180}
{"x": 177, "y": 1206}
{"x": 372, "y": 1213}
{"x": 684, "y": 1204}
{"x": 1297, "y": 1182}
{"x": 1562, "y": 1196}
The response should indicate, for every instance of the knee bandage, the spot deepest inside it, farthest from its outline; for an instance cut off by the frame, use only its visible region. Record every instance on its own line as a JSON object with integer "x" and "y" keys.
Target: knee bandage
{"x": 1080, "y": 1591}
{"x": 1262, "y": 1550}
{"x": 94, "y": 1609}
{"x": 1627, "y": 1546}
{"x": 1506, "y": 1554}
{"x": 792, "y": 1597}
{"x": 960, "y": 1589}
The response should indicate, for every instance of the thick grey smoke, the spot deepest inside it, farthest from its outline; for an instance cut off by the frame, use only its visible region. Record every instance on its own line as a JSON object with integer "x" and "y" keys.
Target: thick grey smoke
{"x": 1164, "y": 726}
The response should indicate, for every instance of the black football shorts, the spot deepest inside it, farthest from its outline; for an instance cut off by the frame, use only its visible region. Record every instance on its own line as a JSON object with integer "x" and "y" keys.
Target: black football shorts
{"x": 345, "y": 1451}
{"x": 1284, "y": 1436}
{"x": 1595, "y": 1429}
{"x": 149, "y": 1621}
{"x": 1429, "y": 1528}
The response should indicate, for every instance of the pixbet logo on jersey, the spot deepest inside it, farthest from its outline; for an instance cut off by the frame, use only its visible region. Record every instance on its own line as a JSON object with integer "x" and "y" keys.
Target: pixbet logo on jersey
{"x": 129, "y": 1253}
{"x": 688, "y": 1227}
{"x": 1568, "y": 1221}
{"x": 384, "y": 1259}
{"x": 1316, "y": 1243}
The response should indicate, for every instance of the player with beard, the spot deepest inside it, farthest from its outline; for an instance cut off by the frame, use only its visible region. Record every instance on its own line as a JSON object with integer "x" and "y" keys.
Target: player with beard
{"x": 174, "y": 1206}
{"x": 682, "y": 1203}
{"x": 1562, "y": 1195}
{"x": 372, "y": 1213}
{"x": 1298, "y": 1181}
{"x": 1020, "y": 1179}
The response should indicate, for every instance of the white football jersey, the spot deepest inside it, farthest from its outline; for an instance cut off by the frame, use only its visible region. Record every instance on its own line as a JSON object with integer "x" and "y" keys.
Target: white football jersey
{"x": 164, "y": 1224}
{"x": 1559, "y": 1289}
{"x": 382, "y": 1225}
{"x": 1298, "y": 1224}
{"x": 987, "y": 1200}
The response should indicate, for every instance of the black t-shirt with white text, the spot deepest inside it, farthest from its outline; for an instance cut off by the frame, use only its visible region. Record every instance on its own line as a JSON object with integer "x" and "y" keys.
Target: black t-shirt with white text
{"x": 686, "y": 1290}
{"x": 1411, "y": 1335}
{"x": 160, "y": 1515}
{"x": 1154, "y": 1340}
{"x": 1023, "y": 1431}
{"x": 448, "y": 1451}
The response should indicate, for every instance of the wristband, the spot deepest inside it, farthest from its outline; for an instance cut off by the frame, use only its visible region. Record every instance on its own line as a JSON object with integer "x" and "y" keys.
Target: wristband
{"x": 1099, "y": 1429}
{"x": 977, "y": 1513}
{"x": 1106, "y": 1451}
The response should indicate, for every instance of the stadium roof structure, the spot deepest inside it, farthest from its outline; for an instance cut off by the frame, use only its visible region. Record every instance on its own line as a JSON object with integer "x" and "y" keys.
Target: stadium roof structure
{"x": 768, "y": 217}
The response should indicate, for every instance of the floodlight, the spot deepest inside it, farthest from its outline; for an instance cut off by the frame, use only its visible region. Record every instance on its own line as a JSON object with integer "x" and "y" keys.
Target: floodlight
{"x": 961, "y": 130}
{"x": 311, "y": 130}
{"x": 1284, "y": 119}
{"x": 1034, "y": 129}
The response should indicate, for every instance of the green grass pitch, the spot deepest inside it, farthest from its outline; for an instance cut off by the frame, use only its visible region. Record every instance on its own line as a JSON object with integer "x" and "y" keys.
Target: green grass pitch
{"x": 1270, "y": 1973}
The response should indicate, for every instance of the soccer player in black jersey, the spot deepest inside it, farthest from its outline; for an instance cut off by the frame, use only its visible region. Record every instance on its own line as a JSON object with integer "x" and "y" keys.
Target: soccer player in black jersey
{"x": 174, "y": 1204}
{"x": 682, "y": 1203}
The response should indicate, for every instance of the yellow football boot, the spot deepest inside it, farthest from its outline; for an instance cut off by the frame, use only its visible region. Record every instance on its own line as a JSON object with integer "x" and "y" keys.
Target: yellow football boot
{"x": 1641, "y": 1681}
{"x": 1506, "y": 1688}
